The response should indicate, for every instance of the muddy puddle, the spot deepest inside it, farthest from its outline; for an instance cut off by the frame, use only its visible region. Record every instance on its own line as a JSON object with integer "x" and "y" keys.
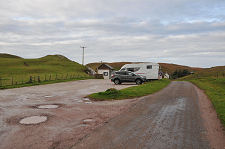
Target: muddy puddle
{"x": 33, "y": 120}
{"x": 88, "y": 121}
{"x": 48, "y": 96}
{"x": 49, "y": 106}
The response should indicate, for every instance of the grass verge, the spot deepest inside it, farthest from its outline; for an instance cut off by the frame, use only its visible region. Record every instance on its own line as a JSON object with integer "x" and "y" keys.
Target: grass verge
{"x": 215, "y": 90}
{"x": 131, "y": 92}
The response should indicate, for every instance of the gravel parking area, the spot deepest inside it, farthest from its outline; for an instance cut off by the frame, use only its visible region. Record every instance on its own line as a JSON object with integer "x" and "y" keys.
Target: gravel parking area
{"x": 64, "y": 114}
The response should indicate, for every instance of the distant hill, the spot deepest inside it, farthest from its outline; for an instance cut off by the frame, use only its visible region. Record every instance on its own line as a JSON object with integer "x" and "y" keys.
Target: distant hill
{"x": 55, "y": 57}
{"x": 4, "y": 55}
{"x": 169, "y": 68}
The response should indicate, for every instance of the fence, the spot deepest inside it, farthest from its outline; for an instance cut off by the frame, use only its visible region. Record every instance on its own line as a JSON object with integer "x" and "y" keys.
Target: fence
{"x": 212, "y": 74}
{"x": 38, "y": 79}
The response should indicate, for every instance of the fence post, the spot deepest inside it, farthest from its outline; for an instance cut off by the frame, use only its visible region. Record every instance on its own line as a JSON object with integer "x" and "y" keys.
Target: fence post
{"x": 0, "y": 81}
{"x": 39, "y": 80}
{"x": 12, "y": 81}
{"x": 50, "y": 77}
{"x": 22, "y": 79}
{"x": 45, "y": 77}
{"x": 30, "y": 81}
{"x": 56, "y": 77}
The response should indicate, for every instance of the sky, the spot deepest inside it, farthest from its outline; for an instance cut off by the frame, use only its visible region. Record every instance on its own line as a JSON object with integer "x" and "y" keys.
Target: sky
{"x": 185, "y": 32}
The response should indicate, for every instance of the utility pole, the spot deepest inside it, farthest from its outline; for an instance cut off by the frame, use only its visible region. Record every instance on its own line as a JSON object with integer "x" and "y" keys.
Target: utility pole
{"x": 83, "y": 54}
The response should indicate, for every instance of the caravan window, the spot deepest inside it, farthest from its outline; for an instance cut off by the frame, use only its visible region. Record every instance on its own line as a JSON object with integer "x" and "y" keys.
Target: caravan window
{"x": 149, "y": 66}
{"x": 133, "y": 69}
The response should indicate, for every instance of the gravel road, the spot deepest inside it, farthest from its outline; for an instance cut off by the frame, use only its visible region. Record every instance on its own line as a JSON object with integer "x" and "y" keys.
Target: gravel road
{"x": 169, "y": 119}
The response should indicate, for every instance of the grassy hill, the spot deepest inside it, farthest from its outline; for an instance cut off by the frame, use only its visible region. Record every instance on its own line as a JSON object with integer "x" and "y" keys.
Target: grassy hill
{"x": 17, "y": 70}
{"x": 5, "y": 55}
{"x": 169, "y": 68}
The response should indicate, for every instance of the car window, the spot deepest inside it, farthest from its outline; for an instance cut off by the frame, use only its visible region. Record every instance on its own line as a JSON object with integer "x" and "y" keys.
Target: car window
{"x": 127, "y": 73}
{"x": 123, "y": 72}
{"x": 131, "y": 74}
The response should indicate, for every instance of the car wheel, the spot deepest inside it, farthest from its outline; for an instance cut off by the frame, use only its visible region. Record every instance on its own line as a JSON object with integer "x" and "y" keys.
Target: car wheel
{"x": 117, "y": 81}
{"x": 138, "y": 82}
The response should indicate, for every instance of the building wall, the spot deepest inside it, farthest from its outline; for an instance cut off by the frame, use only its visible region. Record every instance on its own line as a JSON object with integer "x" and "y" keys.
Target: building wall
{"x": 106, "y": 73}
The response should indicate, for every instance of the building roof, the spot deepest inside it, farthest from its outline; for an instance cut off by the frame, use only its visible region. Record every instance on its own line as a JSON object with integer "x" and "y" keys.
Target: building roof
{"x": 105, "y": 66}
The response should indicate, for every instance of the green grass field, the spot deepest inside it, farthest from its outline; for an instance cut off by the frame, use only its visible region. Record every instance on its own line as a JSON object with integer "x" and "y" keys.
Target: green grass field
{"x": 131, "y": 92}
{"x": 17, "y": 72}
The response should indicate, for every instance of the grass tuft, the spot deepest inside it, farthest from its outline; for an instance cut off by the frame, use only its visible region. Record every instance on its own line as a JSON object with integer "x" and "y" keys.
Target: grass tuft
{"x": 131, "y": 92}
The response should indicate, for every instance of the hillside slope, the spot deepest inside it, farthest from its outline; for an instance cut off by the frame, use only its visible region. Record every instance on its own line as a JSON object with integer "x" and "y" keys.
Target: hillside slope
{"x": 5, "y": 55}
{"x": 48, "y": 64}
{"x": 16, "y": 69}
{"x": 170, "y": 68}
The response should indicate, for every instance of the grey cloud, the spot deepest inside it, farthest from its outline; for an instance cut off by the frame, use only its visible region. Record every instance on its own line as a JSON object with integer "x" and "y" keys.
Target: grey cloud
{"x": 129, "y": 30}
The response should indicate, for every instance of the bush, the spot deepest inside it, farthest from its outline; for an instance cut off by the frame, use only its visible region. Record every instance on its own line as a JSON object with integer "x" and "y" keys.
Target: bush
{"x": 112, "y": 93}
{"x": 180, "y": 73}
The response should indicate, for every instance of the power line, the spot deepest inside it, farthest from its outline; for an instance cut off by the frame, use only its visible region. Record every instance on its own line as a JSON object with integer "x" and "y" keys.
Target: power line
{"x": 83, "y": 54}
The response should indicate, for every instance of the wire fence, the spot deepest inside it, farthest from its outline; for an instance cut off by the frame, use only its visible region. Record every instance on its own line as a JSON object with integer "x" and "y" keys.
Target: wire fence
{"x": 215, "y": 75}
{"x": 38, "y": 79}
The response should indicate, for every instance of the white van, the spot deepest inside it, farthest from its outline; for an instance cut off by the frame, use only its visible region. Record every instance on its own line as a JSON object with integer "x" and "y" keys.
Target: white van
{"x": 149, "y": 70}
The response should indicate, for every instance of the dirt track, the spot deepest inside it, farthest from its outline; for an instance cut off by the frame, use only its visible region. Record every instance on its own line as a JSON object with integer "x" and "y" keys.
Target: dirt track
{"x": 169, "y": 119}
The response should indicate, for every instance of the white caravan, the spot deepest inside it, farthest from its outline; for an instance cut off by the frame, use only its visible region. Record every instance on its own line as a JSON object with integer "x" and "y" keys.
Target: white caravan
{"x": 149, "y": 70}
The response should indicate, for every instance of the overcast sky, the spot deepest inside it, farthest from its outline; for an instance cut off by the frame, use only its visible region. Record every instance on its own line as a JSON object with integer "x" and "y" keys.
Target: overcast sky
{"x": 186, "y": 32}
